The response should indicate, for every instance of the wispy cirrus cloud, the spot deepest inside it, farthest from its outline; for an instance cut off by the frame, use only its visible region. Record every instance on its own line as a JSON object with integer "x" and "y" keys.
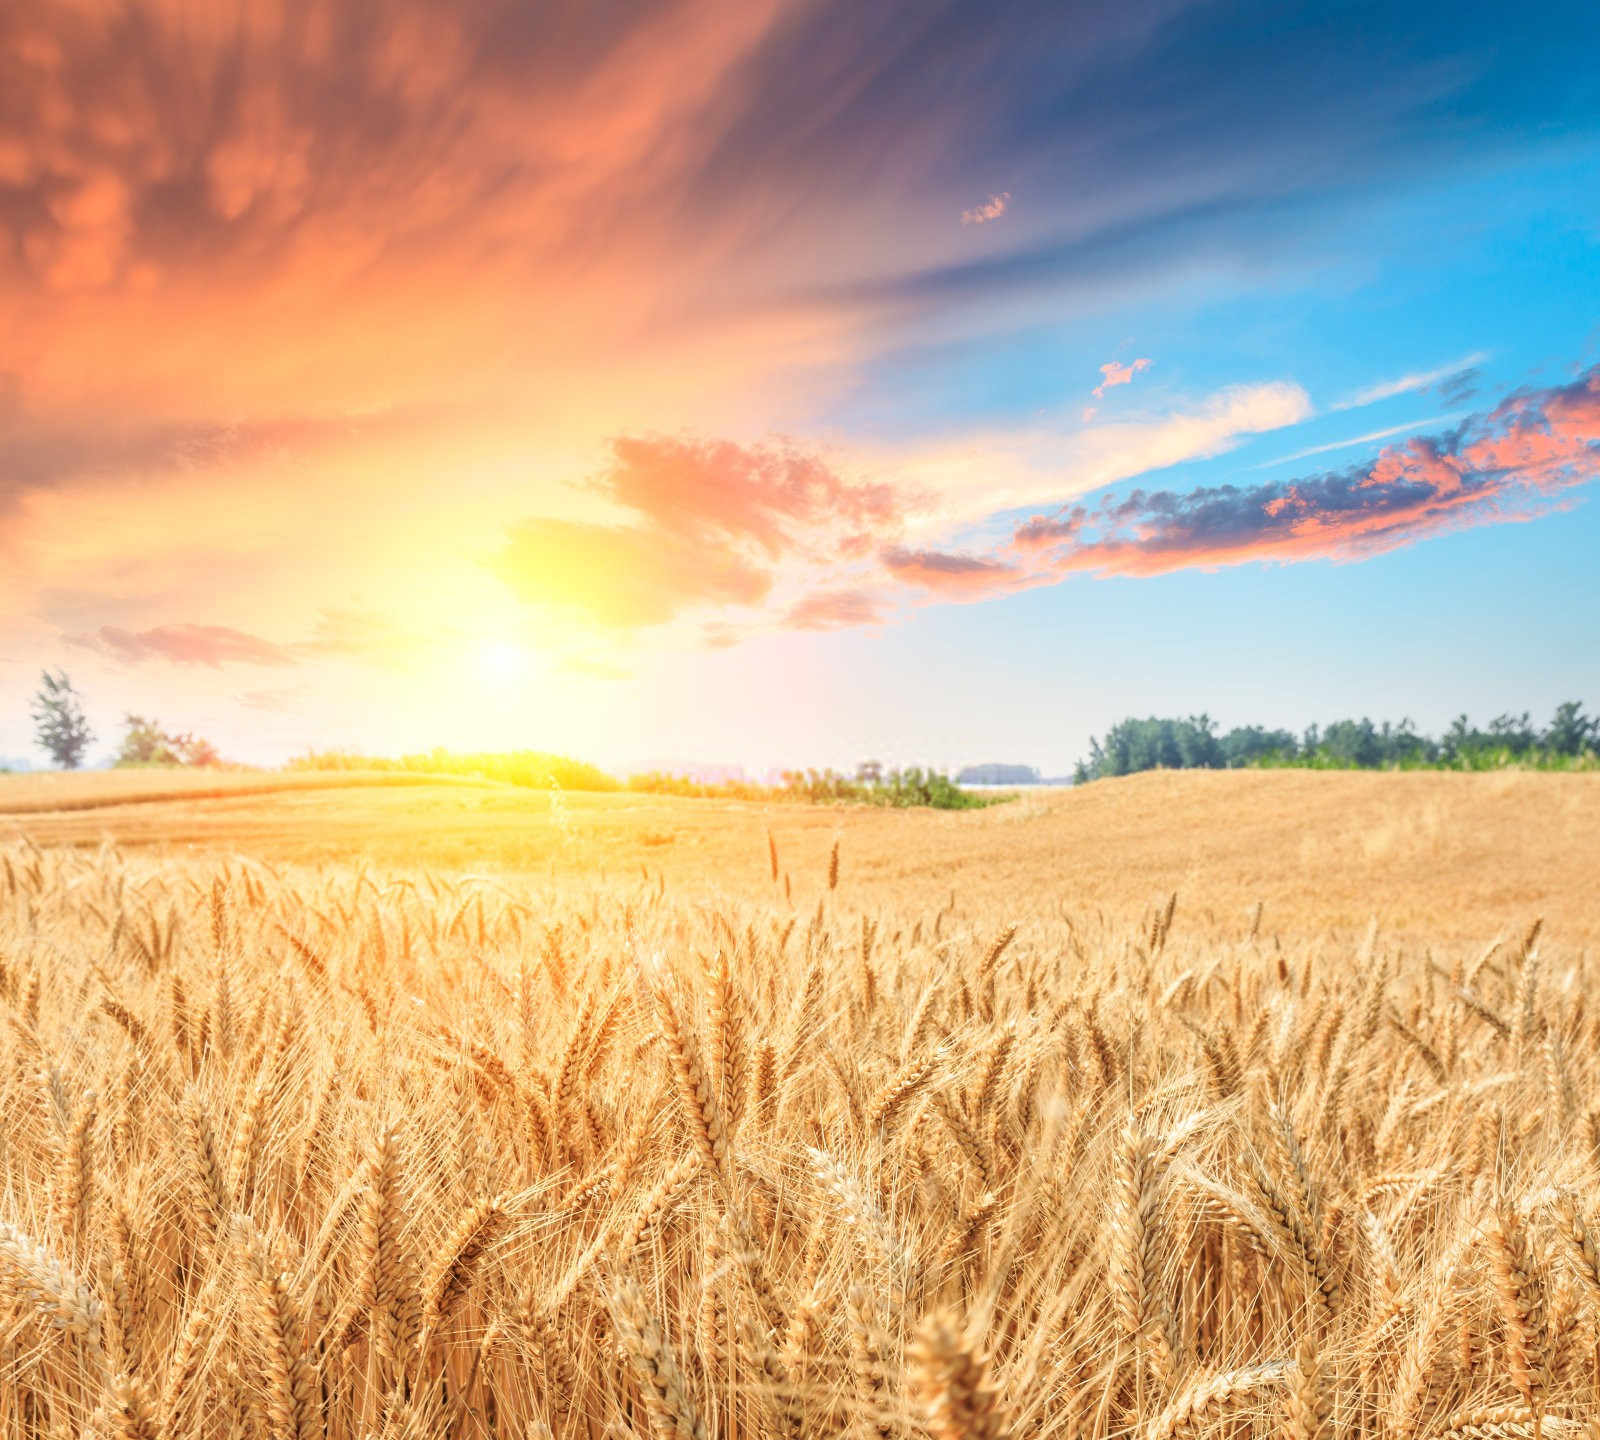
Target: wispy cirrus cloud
{"x": 1453, "y": 375}
{"x": 1409, "y": 427}
{"x": 968, "y": 478}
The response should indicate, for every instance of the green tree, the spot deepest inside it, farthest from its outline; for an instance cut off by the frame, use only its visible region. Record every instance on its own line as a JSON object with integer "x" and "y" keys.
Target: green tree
{"x": 146, "y": 743}
{"x": 1247, "y": 744}
{"x": 1514, "y": 732}
{"x": 60, "y": 726}
{"x": 1571, "y": 742}
{"x": 1571, "y": 732}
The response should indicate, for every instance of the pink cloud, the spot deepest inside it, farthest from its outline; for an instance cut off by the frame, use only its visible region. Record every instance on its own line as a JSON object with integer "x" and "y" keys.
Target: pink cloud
{"x": 953, "y": 577}
{"x": 1114, "y": 374}
{"x": 772, "y": 496}
{"x": 835, "y": 610}
{"x": 992, "y": 209}
{"x": 211, "y": 645}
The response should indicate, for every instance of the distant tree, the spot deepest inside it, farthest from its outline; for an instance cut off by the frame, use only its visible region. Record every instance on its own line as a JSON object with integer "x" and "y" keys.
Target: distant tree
{"x": 1352, "y": 742}
{"x": 146, "y": 743}
{"x": 1153, "y": 744}
{"x": 1572, "y": 741}
{"x": 1249, "y": 744}
{"x": 1196, "y": 739}
{"x": 1514, "y": 732}
{"x": 1402, "y": 745}
{"x": 194, "y": 750}
{"x": 60, "y": 726}
{"x": 1458, "y": 741}
{"x": 1571, "y": 732}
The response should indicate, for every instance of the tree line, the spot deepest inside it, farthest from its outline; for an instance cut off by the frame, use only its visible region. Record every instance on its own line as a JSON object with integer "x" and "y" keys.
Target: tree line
{"x": 1570, "y": 741}
{"x": 61, "y": 729}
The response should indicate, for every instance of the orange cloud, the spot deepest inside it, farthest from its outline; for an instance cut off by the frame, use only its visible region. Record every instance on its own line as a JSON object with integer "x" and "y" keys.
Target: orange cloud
{"x": 708, "y": 524}
{"x": 347, "y": 205}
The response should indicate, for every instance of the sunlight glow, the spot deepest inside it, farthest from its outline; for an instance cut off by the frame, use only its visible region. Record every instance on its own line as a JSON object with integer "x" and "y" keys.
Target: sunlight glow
{"x": 503, "y": 662}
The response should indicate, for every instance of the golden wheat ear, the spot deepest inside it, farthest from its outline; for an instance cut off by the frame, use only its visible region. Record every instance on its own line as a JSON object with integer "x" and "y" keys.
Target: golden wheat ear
{"x": 666, "y": 1394}
{"x": 951, "y": 1383}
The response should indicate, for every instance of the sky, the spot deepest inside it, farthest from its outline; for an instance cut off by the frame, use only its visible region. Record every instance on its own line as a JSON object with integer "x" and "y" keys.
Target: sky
{"x": 787, "y": 382}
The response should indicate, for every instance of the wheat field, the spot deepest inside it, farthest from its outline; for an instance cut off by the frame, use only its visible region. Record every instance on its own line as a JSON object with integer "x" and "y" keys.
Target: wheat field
{"x": 1437, "y": 858}
{"x": 355, "y": 1151}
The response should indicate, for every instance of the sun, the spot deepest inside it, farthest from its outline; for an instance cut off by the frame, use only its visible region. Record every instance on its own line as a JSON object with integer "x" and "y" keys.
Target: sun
{"x": 503, "y": 662}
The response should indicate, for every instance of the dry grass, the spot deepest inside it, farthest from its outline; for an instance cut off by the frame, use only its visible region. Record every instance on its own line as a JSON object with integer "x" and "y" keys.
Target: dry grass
{"x": 353, "y": 1152}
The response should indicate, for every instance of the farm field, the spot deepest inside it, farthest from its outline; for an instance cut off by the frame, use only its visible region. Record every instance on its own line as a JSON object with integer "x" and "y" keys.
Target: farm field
{"x": 376, "y": 1111}
{"x": 1444, "y": 856}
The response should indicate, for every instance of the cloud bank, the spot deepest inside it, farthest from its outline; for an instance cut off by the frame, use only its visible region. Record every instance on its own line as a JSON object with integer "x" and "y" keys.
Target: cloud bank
{"x": 1512, "y": 463}
{"x": 782, "y": 536}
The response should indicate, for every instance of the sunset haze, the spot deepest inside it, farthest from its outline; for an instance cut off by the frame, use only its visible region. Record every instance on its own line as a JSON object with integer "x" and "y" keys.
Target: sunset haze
{"x": 602, "y": 378}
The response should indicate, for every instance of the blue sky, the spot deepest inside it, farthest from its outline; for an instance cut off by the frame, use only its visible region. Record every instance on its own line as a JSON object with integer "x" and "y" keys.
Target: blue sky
{"x": 702, "y": 381}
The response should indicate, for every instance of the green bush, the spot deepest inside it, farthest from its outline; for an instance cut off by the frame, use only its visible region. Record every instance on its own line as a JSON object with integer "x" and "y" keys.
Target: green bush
{"x": 539, "y": 771}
